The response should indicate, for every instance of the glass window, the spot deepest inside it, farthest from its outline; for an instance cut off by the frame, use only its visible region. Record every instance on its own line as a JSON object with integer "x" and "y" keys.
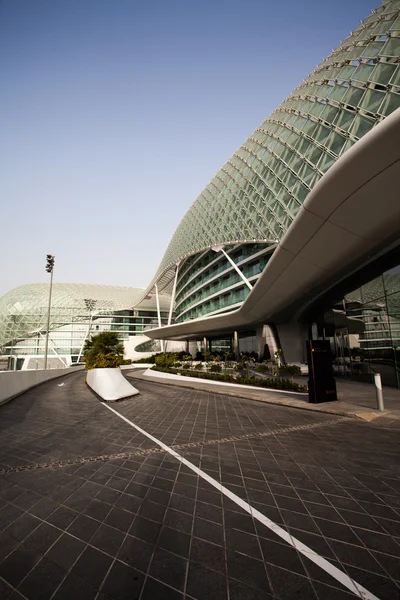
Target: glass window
{"x": 361, "y": 125}
{"x": 372, "y": 100}
{"x": 353, "y": 96}
{"x": 336, "y": 143}
{"x": 391, "y": 47}
{"x": 382, "y": 73}
{"x": 372, "y": 50}
{"x": 345, "y": 119}
{"x": 362, "y": 73}
{"x": 395, "y": 80}
{"x": 391, "y": 103}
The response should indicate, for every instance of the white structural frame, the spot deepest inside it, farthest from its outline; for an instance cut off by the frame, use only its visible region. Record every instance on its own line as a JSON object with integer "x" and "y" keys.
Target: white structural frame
{"x": 159, "y": 314}
{"x": 46, "y": 347}
{"x": 171, "y": 306}
{"x": 228, "y": 258}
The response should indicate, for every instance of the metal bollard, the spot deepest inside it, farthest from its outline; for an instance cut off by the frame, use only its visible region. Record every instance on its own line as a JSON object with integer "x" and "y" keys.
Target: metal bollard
{"x": 379, "y": 394}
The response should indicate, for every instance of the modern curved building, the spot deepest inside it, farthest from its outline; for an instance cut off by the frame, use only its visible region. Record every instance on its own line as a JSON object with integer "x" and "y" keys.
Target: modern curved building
{"x": 305, "y": 211}
{"x": 77, "y": 311}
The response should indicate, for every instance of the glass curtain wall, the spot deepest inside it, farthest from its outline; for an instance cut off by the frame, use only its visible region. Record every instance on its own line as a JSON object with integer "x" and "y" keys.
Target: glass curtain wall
{"x": 68, "y": 335}
{"x": 377, "y": 349}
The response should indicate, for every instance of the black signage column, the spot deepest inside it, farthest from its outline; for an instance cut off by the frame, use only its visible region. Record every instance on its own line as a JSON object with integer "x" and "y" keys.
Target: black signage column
{"x": 321, "y": 383}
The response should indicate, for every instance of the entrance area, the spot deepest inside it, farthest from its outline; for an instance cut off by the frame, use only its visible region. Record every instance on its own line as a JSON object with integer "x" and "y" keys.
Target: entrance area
{"x": 364, "y": 331}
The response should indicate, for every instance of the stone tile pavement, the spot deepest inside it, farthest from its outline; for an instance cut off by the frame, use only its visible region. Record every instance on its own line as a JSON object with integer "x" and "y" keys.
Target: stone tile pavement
{"x": 91, "y": 508}
{"x": 356, "y": 399}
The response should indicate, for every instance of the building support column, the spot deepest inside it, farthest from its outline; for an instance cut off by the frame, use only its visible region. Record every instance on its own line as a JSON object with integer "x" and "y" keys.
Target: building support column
{"x": 205, "y": 345}
{"x": 265, "y": 336}
{"x": 292, "y": 338}
{"x": 236, "y": 345}
{"x": 159, "y": 316}
{"x": 171, "y": 306}
{"x": 187, "y": 347}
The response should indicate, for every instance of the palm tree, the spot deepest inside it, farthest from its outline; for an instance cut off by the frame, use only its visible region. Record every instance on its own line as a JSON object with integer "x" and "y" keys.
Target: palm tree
{"x": 103, "y": 350}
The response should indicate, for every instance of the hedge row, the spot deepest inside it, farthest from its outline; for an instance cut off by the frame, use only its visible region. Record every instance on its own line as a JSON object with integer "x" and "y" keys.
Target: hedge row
{"x": 276, "y": 383}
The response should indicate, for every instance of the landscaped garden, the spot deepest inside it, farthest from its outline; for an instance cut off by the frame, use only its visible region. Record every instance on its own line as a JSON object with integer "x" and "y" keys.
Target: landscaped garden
{"x": 248, "y": 371}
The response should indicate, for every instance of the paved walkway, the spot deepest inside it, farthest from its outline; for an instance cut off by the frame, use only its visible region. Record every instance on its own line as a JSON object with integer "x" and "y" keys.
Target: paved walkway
{"x": 92, "y": 508}
{"x": 354, "y": 399}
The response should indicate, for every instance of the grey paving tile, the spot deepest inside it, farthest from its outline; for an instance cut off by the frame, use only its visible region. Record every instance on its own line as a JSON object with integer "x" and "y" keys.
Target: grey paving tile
{"x": 18, "y": 564}
{"x": 247, "y": 570}
{"x": 123, "y": 582}
{"x": 23, "y": 526}
{"x": 42, "y": 581}
{"x": 209, "y": 531}
{"x": 83, "y": 528}
{"x": 290, "y": 585}
{"x": 378, "y": 541}
{"x": 246, "y": 542}
{"x": 168, "y": 568}
{"x": 62, "y": 517}
{"x": 208, "y": 555}
{"x": 136, "y": 553}
{"x": 155, "y": 589}
{"x": 92, "y": 566}
{"x": 178, "y": 520}
{"x": 9, "y": 514}
{"x": 65, "y": 551}
{"x": 43, "y": 537}
{"x": 73, "y": 587}
{"x": 174, "y": 541}
{"x": 152, "y": 510}
{"x": 384, "y": 588}
{"x": 5, "y": 590}
{"x": 120, "y": 519}
{"x": 204, "y": 584}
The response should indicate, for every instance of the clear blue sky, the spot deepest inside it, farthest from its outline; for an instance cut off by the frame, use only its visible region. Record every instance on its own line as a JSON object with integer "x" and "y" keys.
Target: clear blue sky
{"x": 116, "y": 113}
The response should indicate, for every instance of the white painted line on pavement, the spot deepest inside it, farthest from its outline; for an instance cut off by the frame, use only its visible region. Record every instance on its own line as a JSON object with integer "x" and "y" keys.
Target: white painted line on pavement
{"x": 336, "y": 573}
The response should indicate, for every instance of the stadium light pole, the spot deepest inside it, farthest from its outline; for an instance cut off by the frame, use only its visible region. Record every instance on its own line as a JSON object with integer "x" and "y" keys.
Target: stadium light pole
{"x": 49, "y": 268}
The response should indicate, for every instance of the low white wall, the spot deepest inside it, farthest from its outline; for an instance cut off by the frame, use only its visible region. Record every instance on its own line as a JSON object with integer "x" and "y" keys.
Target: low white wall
{"x": 136, "y": 366}
{"x": 110, "y": 384}
{"x": 13, "y": 383}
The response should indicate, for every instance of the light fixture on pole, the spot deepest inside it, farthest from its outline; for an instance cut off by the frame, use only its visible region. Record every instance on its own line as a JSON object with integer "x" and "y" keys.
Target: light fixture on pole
{"x": 49, "y": 268}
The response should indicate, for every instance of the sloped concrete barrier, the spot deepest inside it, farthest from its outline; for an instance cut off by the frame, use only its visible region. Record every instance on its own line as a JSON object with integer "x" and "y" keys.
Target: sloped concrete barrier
{"x": 14, "y": 383}
{"x": 110, "y": 384}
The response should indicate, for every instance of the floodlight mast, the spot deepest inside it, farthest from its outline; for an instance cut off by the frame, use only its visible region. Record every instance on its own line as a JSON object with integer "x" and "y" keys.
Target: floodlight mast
{"x": 49, "y": 268}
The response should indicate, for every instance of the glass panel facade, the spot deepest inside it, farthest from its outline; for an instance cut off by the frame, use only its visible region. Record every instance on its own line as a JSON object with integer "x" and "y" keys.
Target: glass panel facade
{"x": 258, "y": 192}
{"x": 208, "y": 283}
{"x": 76, "y": 312}
{"x": 377, "y": 348}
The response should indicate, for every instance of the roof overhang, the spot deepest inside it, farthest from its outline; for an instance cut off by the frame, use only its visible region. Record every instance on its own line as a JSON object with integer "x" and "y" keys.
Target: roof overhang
{"x": 350, "y": 217}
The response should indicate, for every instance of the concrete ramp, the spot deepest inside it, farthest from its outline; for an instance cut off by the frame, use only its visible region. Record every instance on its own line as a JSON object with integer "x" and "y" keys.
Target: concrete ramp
{"x": 110, "y": 384}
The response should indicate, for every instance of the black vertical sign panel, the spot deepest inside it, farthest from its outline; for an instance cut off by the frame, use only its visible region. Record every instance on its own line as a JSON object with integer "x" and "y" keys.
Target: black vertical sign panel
{"x": 321, "y": 383}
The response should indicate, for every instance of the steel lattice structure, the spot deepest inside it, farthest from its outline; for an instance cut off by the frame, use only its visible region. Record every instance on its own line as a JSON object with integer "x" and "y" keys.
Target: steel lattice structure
{"x": 257, "y": 194}
{"x": 23, "y": 310}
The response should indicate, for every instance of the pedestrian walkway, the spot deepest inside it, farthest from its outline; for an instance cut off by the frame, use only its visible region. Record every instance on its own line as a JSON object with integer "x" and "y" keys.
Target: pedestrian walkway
{"x": 354, "y": 399}
{"x": 183, "y": 494}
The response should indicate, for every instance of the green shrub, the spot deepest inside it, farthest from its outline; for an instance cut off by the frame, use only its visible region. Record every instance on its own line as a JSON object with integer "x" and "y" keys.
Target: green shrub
{"x": 150, "y": 360}
{"x": 166, "y": 359}
{"x": 293, "y": 370}
{"x": 216, "y": 368}
{"x": 276, "y": 383}
{"x": 198, "y": 367}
